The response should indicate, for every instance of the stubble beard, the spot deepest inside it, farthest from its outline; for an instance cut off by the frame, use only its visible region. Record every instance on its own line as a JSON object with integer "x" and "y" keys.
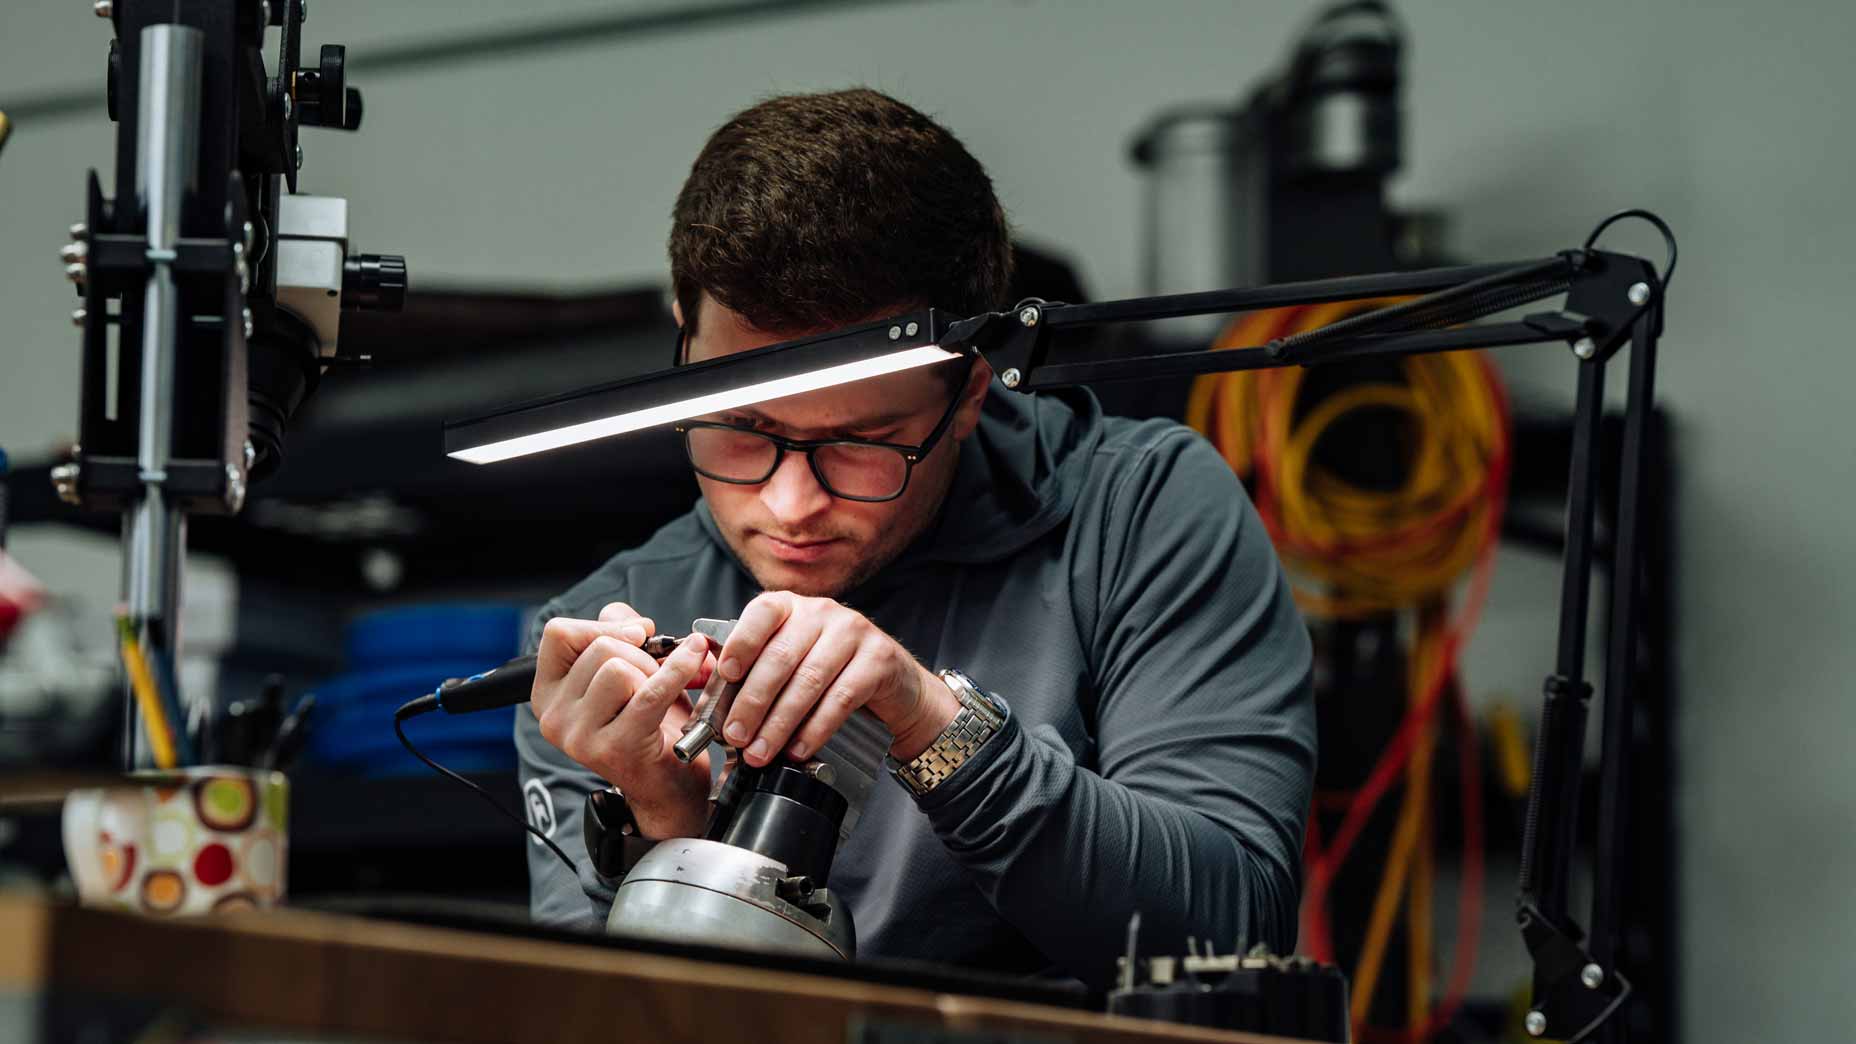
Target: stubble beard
{"x": 881, "y": 553}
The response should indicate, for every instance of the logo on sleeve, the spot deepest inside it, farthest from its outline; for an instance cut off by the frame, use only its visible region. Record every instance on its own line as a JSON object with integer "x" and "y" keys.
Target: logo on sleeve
{"x": 540, "y": 809}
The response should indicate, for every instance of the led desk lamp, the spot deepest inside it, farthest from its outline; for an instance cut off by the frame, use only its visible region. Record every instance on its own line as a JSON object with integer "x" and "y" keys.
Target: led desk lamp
{"x": 1609, "y": 299}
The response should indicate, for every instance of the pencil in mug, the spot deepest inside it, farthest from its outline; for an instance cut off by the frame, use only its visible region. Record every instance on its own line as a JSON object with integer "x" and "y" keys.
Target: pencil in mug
{"x": 147, "y": 696}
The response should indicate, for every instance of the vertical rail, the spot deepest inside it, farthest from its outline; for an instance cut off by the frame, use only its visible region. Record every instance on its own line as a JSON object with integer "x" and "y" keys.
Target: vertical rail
{"x": 1550, "y": 832}
{"x": 1621, "y": 661}
{"x": 167, "y": 150}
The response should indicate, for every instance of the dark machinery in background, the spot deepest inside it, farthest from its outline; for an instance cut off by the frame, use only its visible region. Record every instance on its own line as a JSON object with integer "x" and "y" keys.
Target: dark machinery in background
{"x": 212, "y": 292}
{"x": 1290, "y": 185}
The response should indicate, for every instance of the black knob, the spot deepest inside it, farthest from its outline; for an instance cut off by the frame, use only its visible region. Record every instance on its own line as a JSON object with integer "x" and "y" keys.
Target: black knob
{"x": 322, "y": 94}
{"x": 374, "y": 282}
{"x": 351, "y": 113}
{"x": 332, "y": 83}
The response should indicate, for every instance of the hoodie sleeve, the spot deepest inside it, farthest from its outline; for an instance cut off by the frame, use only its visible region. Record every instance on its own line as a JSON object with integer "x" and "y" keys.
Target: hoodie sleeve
{"x": 554, "y": 790}
{"x": 1203, "y": 727}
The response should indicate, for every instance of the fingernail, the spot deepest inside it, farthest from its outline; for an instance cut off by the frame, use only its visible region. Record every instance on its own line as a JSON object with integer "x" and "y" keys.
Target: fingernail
{"x": 757, "y": 751}
{"x": 797, "y": 750}
{"x": 632, "y": 633}
{"x": 731, "y": 669}
{"x": 736, "y": 732}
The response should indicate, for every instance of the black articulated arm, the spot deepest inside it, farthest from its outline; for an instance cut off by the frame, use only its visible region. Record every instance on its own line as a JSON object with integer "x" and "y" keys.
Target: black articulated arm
{"x": 1611, "y": 300}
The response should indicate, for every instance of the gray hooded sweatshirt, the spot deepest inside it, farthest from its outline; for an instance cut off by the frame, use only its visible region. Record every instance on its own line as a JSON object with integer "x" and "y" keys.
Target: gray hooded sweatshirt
{"x": 1109, "y": 580}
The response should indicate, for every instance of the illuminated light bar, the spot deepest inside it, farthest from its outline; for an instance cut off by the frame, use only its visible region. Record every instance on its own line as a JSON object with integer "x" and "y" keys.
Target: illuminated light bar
{"x": 730, "y": 382}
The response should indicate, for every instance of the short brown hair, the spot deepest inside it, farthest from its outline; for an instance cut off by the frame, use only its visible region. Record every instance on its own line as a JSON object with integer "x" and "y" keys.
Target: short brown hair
{"x": 813, "y": 210}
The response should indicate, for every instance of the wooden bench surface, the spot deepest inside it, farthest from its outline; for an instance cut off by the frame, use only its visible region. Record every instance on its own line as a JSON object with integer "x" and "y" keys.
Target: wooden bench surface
{"x": 317, "y": 972}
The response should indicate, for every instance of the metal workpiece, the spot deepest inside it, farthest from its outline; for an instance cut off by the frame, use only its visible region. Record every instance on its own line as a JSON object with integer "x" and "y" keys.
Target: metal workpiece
{"x": 718, "y": 697}
{"x": 693, "y": 890}
{"x": 705, "y": 726}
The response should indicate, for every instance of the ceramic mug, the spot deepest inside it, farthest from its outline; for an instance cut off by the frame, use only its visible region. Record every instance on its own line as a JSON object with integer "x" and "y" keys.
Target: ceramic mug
{"x": 182, "y": 841}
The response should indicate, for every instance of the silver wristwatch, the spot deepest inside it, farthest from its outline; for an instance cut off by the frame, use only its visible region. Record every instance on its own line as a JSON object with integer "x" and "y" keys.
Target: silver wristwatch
{"x": 979, "y": 718}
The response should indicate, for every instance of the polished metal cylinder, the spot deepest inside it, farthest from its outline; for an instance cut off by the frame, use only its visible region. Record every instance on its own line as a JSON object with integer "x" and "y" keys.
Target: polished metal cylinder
{"x": 166, "y": 151}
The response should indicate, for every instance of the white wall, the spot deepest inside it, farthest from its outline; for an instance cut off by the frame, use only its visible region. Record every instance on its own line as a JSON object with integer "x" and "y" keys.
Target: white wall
{"x": 1527, "y": 121}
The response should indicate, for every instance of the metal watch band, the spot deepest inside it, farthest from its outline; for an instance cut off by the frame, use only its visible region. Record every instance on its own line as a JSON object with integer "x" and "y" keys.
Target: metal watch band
{"x": 977, "y": 721}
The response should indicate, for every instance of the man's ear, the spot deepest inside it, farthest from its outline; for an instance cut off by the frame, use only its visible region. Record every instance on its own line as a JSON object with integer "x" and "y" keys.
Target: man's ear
{"x": 973, "y": 396}
{"x": 676, "y": 310}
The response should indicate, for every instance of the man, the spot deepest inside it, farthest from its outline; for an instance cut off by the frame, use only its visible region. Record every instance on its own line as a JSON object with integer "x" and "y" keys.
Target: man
{"x": 1105, "y": 583}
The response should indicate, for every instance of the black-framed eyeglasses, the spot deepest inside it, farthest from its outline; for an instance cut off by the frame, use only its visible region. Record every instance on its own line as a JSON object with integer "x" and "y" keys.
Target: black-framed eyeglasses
{"x": 850, "y": 469}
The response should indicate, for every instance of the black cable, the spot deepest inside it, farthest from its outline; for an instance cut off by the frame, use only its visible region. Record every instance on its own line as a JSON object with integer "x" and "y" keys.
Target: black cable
{"x": 425, "y": 705}
{"x": 1669, "y": 237}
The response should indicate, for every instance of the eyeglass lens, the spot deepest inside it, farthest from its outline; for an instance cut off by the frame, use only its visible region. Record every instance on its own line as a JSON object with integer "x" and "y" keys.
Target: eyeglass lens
{"x": 846, "y": 469}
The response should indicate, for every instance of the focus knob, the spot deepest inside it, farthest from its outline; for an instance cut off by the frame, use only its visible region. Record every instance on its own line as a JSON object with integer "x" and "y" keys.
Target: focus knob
{"x": 374, "y": 282}
{"x": 322, "y": 95}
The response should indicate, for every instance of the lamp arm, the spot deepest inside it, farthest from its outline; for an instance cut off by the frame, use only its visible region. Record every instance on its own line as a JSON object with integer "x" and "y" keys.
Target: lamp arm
{"x": 1611, "y": 299}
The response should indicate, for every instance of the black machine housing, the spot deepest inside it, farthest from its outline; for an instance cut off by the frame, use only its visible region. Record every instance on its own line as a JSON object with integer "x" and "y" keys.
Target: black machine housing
{"x": 242, "y": 364}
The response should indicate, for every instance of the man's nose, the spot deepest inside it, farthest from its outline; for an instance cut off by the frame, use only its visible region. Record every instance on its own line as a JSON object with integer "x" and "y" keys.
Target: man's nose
{"x": 792, "y": 493}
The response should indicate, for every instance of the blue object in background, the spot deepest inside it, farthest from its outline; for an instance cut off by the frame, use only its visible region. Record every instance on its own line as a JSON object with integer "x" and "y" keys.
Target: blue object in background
{"x": 397, "y": 655}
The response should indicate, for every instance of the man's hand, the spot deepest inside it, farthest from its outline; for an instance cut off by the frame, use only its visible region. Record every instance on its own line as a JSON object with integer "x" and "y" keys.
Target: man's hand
{"x": 608, "y": 705}
{"x": 808, "y": 664}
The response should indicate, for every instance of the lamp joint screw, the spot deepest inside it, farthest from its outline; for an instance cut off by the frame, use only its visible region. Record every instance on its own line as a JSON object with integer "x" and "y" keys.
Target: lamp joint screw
{"x": 1584, "y": 348}
{"x": 1536, "y": 1024}
{"x": 1639, "y": 293}
{"x": 1592, "y": 976}
{"x": 1011, "y": 377}
{"x": 1028, "y": 316}
{"x": 299, "y": 157}
{"x": 103, "y": 8}
{"x": 895, "y": 333}
{"x": 912, "y": 328}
